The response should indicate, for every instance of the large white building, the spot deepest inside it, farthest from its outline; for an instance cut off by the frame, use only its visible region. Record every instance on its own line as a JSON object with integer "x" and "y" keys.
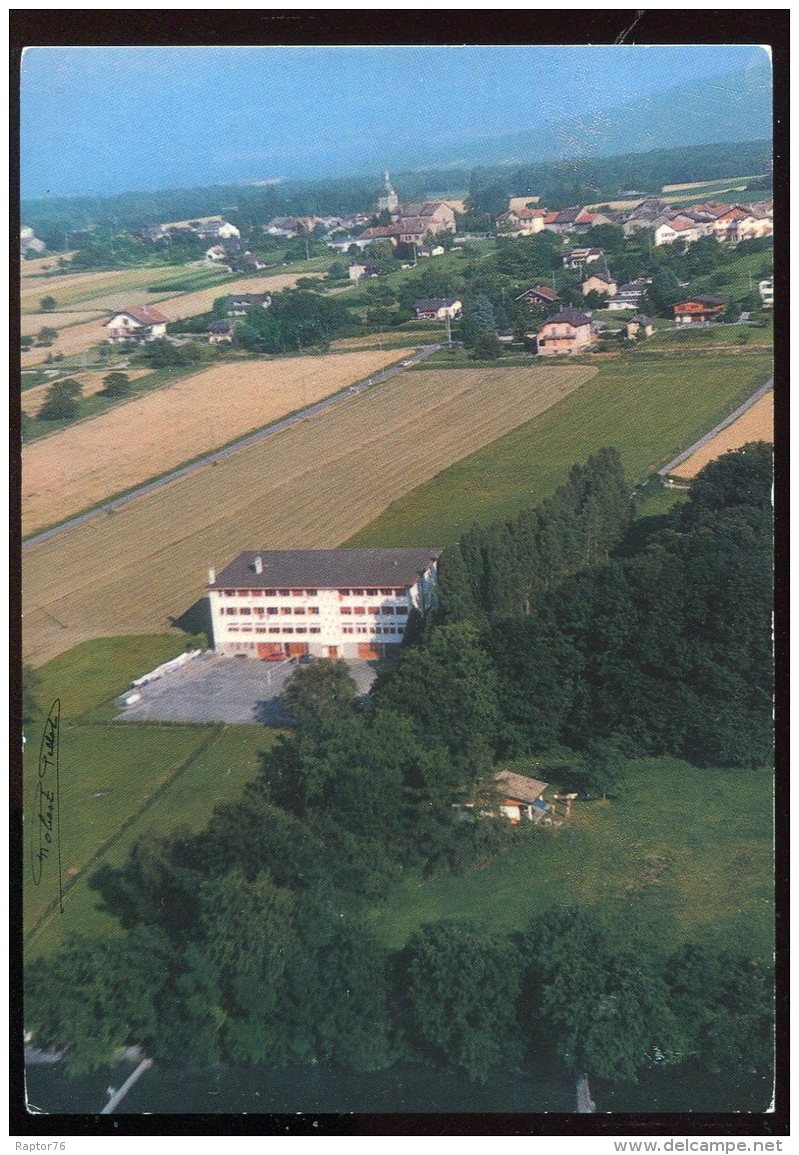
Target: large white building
{"x": 331, "y": 603}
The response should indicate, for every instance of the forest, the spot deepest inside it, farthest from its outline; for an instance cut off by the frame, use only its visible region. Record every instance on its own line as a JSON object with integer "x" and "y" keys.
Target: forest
{"x": 575, "y": 624}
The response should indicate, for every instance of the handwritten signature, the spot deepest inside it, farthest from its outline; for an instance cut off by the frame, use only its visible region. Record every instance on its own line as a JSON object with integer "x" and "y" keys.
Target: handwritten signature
{"x": 46, "y": 838}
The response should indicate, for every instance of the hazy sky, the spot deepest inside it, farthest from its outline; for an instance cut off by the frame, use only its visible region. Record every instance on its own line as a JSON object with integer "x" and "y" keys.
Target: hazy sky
{"x": 104, "y": 120}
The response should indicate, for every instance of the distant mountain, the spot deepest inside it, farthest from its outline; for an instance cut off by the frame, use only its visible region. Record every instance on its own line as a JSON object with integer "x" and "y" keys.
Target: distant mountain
{"x": 736, "y": 106}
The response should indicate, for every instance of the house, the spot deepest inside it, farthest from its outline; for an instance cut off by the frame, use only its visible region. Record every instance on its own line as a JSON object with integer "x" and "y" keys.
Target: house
{"x": 438, "y": 215}
{"x": 766, "y": 289}
{"x": 216, "y": 253}
{"x": 412, "y": 230}
{"x": 245, "y": 262}
{"x": 539, "y": 295}
{"x": 216, "y": 228}
{"x": 568, "y": 331}
{"x": 139, "y": 323}
{"x": 629, "y": 295}
{"x": 437, "y": 308}
{"x": 238, "y": 304}
{"x": 683, "y": 228}
{"x": 562, "y": 221}
{"x": 521, "y": 222}
{"x": 331, "y": 603}
{"x": 29, "y": 242}
{"x": 599, "y": 283}
{"x": 576, "y": 258}
{"x": 358, "y": 271}
{"x": 639, "y": 326}
{"x": 522, "y": 797}
{"x": 432, "y": 251}
{"x": 743, "y": 223}
{"x": 699, "y": 310}
{"x": 289, "y": 226}
{"x": 380, "y": 233}
{"x": 643, "y": 215}
{"x": 220, "y": 331}
{"x": 344, "y": 244}
{"x": 588, "y": 220}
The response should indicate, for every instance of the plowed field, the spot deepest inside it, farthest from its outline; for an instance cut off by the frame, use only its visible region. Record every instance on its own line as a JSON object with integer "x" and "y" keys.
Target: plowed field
{"x": 756, "y": 424}
{"x": 313, "y": 485}
{"x": 142, "y": 438}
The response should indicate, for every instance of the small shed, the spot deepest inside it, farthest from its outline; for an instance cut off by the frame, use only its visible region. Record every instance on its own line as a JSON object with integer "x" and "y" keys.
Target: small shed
{"x": 523, "y": 796}
{"x": 639, "y": 326}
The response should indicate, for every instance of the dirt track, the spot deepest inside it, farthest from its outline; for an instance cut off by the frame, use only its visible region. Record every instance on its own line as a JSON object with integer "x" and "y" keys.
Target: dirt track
{"x": 756, "y": 424}
{"x": 151, "y": 434}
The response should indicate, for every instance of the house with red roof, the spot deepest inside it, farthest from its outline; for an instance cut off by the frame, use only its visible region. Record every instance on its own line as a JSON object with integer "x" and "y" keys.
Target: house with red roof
{"x": 138, "y": 323}
{"x": 539, "y": 295}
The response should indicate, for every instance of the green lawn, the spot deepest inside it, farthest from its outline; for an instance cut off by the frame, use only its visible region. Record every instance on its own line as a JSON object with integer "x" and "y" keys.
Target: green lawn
{"x": 649, "y": 408}
{"x": 673, "y": 339}
{"x": 688, "y": 850}
{"x": 223, "y": 760}
{"x": 88, "y": 677}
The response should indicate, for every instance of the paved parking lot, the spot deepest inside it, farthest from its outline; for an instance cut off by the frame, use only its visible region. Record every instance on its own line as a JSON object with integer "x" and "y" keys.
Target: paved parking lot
{"x": 213, "y": 688}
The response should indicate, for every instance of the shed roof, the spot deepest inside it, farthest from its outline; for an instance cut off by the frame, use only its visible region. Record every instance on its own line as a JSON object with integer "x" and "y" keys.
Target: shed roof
{"x": 519, "y": 786}
{"x": 327, "y": 568}
{"x": 540, "y": 291}
{"x": 569, "y": 317}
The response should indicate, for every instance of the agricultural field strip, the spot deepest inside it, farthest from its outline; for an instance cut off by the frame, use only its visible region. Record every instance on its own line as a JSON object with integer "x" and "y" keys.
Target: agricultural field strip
{"x": 175, "y": 307}
{"x": 756, "y": 423}
{"x": 142, "y": 438}
{"x": 310, "y": 486}
{"x": 91, "y": 382}
{"x": 32, "y": 323}
{"x": 717, "y": 429}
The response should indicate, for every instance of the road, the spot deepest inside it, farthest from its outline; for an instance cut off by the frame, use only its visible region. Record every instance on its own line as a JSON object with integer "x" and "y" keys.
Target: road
{"x": 678, "y": 460}
{"x": 421, "y": 354}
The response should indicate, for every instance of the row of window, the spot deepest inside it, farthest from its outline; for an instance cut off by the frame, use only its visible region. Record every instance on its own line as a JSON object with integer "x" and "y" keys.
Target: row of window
{"x": 274, "y": 630}
{"x": 374, "y": 592}
{"x": 247, "y": 611}
{"x": 373, "y": 630}
{"x": 269, "y": 593}
{"x": 388, "y": 610}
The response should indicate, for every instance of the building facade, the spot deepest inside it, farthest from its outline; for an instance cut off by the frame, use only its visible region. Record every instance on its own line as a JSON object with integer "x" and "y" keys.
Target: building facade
{"x": 569, "y": 331}
{"x": 338, "y": 603}
{"x": 139, "y": 323}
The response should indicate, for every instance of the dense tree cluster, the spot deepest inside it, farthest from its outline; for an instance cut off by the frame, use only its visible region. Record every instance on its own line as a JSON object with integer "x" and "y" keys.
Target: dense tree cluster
{"x": 660, "y": 638}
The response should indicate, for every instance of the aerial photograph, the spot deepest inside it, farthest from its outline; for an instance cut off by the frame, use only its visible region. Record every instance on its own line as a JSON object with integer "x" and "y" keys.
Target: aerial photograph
{"x": 397, "y": 667}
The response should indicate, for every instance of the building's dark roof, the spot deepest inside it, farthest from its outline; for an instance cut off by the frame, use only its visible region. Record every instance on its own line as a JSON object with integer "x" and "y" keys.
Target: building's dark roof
{"x": 435, "y": 303}
{"x": 640, "y": 319}
{"x": 248, "y": 298}
{"x": 630, "y": 288}
{"x": 221, "y": 327}
{"x": 569, "y": 317}
{"x": 540, "y": 291}
{"x": 327, "y": 568}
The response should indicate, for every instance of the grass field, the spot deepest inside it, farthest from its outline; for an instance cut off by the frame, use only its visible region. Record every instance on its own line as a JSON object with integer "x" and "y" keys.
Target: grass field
{"x": 118, "y": 781}
{"x": 650, "y": 409}
{"x": 757, "y": 424}
{"x": 147, "y": 436}
{"x": 678, "y": 846}
{"x": 143, "y": 567}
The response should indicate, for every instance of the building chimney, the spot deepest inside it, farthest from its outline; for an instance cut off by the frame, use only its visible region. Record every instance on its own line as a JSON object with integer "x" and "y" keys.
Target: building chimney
{"x": 211, "y": 575}
{"x": 258, "y": 564}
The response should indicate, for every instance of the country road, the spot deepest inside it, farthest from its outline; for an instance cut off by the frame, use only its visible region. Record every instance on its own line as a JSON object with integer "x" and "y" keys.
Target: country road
{"x": 114, "y": 503}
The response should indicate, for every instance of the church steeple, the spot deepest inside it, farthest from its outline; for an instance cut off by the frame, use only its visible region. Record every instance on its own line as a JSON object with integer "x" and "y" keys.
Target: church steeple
{"x": 389, "y": 200}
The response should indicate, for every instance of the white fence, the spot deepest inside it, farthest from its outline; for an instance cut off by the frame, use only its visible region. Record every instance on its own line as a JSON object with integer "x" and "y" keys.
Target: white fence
{"x": 167, "y": 668}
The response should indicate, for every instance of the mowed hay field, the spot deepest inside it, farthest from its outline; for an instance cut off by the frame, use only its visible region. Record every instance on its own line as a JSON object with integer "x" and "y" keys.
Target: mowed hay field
{"x": 142, "y": 568}
{"x": 32, "y": 323}
{"x": 756, "y": 424}
{"x": 92, "y": 382}
{"x": 79, "y": 466}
